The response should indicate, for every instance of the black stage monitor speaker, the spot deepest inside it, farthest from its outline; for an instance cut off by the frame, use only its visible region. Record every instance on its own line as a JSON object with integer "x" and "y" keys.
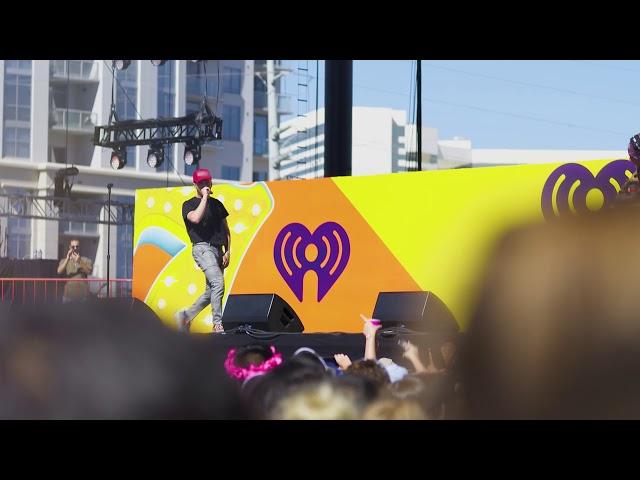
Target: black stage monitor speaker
{"x": 418, "y": 311}
{"x": 266, "y": 312}
{"x": 125, "y": 308}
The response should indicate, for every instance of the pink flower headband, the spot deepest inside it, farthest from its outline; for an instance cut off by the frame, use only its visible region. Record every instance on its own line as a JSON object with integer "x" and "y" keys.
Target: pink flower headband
{"x": 252, "y": 370}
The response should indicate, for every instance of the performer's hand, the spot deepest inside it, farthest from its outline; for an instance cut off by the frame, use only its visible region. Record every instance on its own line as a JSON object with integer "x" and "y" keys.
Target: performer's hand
{"x": 69, "y": 253}
{"x": 226, "y": 258}
{"x": 206, "y": 191}
{"x": 75, "y": 256}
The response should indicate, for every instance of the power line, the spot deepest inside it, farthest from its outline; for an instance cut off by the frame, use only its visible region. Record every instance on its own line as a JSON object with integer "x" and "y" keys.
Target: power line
{"x": 526, "y": 117}
{"x": 536, "y": 85}
{"x": 473, "y": 107}
{"x": 604, "y": 65}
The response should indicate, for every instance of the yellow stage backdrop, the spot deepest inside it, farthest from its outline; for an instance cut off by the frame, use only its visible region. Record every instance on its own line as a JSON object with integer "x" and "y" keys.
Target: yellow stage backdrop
{"x": 329, "y": 246}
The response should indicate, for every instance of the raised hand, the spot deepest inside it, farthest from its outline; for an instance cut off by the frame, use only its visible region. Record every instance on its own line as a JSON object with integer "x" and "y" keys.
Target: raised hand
{"x": 410, "y": 350}
{"x": 371, "y": 326}
{"x": 342, "y": 360}
{"x": 431, "y": 368}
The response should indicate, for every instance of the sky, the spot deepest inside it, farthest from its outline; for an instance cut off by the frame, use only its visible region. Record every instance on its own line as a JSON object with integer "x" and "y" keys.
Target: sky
{"x": 529, "y": 104}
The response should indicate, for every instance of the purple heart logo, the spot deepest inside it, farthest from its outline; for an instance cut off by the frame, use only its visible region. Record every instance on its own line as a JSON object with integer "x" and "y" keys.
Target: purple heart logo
{"x": 290, "y": 250}
{"x": 574, "y": 172}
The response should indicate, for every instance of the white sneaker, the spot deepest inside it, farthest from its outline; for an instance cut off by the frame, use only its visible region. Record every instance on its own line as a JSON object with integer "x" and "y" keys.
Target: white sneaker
{"x": 181, "y": 320}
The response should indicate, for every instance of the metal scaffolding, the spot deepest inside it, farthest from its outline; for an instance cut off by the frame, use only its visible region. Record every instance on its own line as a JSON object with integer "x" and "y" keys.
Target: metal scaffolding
{"x": 65, "y": 209}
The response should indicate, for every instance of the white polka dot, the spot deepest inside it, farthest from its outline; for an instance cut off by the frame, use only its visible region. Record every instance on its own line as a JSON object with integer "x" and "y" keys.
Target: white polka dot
{"x": 187, "y": 191}
{"x": 237, "y": 204}
{"x": 192, "y": 289}
{"x": 162, "y": 303}
{"x": 169, "y": 189}
{"x": 169, "y": 281}
{"x": 239, "y": 227}
{"x": 195, "y": 266}
{"x": 208, "y": 320}
{"x": 221, "y": 198}
{"x": 150, "y": 202}
{"x": 167, "y": 207}
{"x": 255, "y": 210}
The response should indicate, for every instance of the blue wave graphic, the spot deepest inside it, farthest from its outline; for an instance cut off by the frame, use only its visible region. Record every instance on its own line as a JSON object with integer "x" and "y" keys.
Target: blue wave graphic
{"x": 160, "y": 238}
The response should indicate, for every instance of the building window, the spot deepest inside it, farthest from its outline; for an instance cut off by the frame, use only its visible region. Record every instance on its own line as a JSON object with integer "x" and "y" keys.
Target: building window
{"x": 166, "y": 89}
{"x": 166, "y": 107}
{"x": 231, "y": 125}
{"x": 259, "y": 176}
{"x": 18, "y": 232}
{"x": 198, "y": 82}
{"x": 127, "y": 92}
{"x": 231, "y": 80}
{"x": 126, "y": 101}
{"x": 193, "y": 106}
{"x": 16, "y": 140}
{"x": 260, "y": 140}
{"x": 189, "y": 169}
{"x": 230, "y": 173}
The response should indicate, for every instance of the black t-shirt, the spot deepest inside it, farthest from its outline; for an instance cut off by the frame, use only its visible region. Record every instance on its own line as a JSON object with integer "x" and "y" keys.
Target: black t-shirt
{"x": 210, "y": 229}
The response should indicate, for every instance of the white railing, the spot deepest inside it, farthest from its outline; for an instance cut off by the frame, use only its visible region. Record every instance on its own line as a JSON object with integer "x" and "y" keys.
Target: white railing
{"x": 76, "y": 69}
{"x": 79, "y": 120}
{"x": 284, "y": 102}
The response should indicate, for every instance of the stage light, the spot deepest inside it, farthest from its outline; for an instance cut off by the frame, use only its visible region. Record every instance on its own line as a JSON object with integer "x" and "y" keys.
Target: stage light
{"x": 122, "y": 64}
{"x": 217, "y": 135}
{"x": 155, "y": 157}
{"x": 158, "y": 63}
{"x": 118, "y": 159}
{"x": 192, "y": 154}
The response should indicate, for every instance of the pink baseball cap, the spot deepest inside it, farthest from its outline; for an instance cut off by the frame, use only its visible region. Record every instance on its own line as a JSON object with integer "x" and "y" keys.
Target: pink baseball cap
{"x": 200, "y": 175}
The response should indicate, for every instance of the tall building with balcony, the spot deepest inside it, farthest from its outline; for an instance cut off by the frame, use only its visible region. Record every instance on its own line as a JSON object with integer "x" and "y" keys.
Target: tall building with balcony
{"x": 260, "y": 114}
{"x": 50, "y": 109}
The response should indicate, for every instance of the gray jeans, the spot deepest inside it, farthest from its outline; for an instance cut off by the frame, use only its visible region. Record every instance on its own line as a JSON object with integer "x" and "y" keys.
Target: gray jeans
{"x": 209, "y": 259}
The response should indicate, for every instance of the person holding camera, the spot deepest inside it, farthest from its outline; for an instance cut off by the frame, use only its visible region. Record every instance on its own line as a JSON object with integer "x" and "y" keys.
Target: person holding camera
{"x": 75, "y": 266}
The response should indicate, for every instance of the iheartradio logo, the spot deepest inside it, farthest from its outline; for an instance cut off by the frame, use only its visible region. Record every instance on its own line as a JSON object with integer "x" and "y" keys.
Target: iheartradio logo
{"x": 572, "y": 182}
{"x": 325, "y": 251}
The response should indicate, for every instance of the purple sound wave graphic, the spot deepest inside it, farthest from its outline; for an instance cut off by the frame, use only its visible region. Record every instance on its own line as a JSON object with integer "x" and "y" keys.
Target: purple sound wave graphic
{"x": 290, "y": 251}
{"x": 573, "y": 173}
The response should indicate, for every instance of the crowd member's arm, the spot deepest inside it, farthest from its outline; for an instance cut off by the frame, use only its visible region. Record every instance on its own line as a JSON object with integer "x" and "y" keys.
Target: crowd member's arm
{"x": 371, "y": 326}
{"x": 411, "y": 353}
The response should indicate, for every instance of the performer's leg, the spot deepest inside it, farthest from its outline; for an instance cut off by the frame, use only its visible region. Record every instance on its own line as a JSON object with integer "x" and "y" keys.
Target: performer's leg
{"x": 215, "y": 276}
{"x": 202, "y": 301}
{"x": 203, "y": 258}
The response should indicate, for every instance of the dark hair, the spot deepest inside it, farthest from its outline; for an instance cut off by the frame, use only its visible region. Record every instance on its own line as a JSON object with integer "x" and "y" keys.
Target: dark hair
{"x": 371, "y": 370}
{"x": 263, "y": 392}
{"x": 410, "y": 387}
{"x": 87, "y": 362}
{"x": 252, "y": 355}
{"x": 312, "y": 357}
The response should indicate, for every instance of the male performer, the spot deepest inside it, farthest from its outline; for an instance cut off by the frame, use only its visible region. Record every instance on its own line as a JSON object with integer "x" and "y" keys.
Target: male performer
{"x": 206, "y": 222}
